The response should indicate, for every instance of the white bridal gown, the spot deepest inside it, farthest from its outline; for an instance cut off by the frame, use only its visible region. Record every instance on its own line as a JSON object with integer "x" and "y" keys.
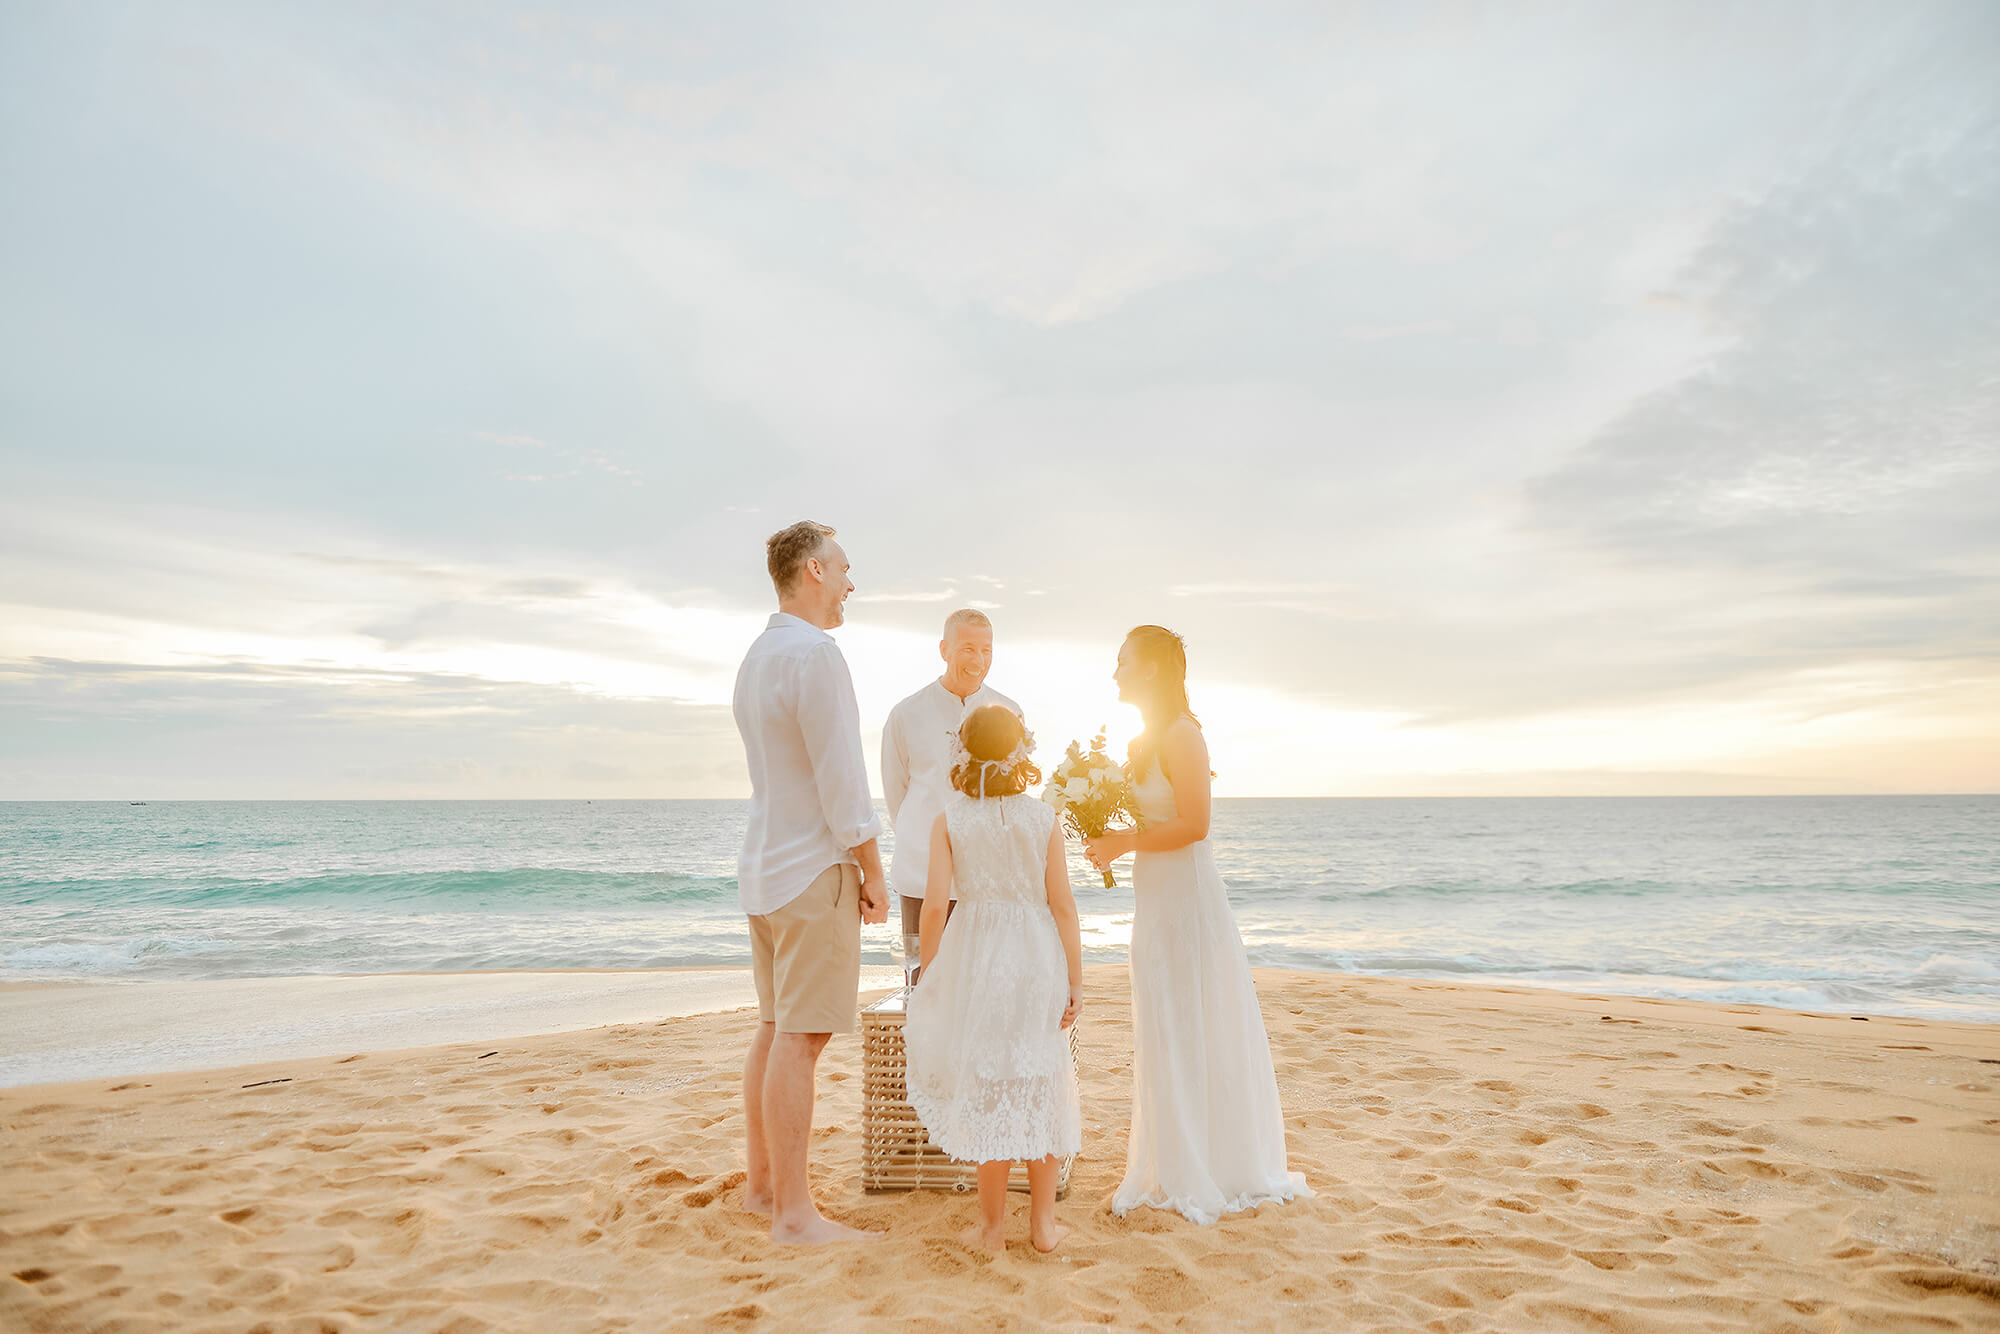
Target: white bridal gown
{"x": 1208, "y": 1137}
{"x": 989, "y": 1070}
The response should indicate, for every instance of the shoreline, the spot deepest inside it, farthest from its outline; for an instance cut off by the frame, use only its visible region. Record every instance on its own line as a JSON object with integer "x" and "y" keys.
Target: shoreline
{"x": 136, "y": 1028}
{"x": 63, "y": 1032}
{"x": 1481, "y": 1157}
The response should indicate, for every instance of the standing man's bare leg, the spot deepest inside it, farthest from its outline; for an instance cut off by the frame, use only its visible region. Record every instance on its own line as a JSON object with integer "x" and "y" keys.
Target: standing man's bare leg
{"x": 757, "y": 1153}
{"x": 788, "y": 1112}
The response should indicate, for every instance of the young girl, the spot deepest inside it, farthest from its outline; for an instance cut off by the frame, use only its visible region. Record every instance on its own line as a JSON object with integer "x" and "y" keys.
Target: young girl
{"x": 988, "y": 1068}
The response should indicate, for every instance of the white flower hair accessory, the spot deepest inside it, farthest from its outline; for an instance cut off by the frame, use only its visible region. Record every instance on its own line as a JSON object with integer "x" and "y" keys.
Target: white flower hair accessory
{"x": 1007, "y": 763}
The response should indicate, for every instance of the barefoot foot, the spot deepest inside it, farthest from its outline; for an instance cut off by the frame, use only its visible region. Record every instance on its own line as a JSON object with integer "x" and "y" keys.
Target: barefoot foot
{"x": 757, "y": 1204}
{"x": 1047, "y": 1237}
{"x": 815, "y": 1231}
{"x": 982, "y": 1238}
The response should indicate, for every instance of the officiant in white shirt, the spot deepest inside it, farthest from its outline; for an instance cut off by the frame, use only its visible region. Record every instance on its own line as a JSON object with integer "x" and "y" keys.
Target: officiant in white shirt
{"x": 916, "y": 751}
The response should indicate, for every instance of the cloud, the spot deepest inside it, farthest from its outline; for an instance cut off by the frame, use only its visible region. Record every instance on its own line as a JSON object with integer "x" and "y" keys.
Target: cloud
{"x": 1555, "y": 394}
{"x": 922, "y": 595}
{"x": 88, "y": 730}
{"x": 178, "y": 588}
{"x": 594, "y": 459}
{"x": 543, "y": 587}
{"x": 1383, "y": 332}
{"x": 1835, "y": 464}
{"x": 1255, "y": 589}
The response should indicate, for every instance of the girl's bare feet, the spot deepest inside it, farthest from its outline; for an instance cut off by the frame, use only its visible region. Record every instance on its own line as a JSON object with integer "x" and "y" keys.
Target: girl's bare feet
{"x": 1046, "y": 1236}
{"x": 981, "y": 1237}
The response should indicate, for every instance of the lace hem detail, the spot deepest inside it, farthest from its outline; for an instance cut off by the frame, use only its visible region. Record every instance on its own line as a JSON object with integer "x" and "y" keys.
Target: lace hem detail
{"x": 1049, "y": 1130}
{"x": 1295, "y": 1188}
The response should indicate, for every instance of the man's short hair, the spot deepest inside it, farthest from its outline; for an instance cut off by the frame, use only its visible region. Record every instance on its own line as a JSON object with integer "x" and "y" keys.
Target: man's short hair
{"x": 787, "y": 551}
{"x": 971, "y": 616}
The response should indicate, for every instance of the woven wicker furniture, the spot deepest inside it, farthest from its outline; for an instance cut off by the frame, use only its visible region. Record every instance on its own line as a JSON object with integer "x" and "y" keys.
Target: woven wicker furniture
{"x": 896, "y": 1154}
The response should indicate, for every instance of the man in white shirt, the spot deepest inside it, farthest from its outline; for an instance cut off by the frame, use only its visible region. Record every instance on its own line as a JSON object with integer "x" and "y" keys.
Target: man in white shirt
{"x": 916, "y": 750}
{"x": 810, "y": 872}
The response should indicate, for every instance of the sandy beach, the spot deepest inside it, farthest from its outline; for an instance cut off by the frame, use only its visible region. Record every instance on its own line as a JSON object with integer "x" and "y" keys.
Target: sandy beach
{"x": 1485, "y": 1158}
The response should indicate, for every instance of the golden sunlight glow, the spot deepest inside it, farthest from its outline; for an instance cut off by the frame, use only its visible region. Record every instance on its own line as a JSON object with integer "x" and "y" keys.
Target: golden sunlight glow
{"x": 1860, "y": 727}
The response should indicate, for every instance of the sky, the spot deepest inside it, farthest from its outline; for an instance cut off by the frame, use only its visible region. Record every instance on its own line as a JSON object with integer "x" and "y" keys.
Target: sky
{"x": 1501, "y": 400}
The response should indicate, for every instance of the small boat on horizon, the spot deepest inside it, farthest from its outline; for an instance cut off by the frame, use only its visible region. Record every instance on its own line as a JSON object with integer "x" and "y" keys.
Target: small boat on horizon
{"x": 135, "y": 803}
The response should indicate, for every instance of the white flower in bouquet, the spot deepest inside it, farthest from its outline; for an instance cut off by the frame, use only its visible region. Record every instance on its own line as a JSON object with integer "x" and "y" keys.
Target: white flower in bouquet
{"x": 1091, "y": 790}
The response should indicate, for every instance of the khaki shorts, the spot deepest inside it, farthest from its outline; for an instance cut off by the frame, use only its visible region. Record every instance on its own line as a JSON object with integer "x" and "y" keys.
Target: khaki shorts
{"x": 807, "y": 956}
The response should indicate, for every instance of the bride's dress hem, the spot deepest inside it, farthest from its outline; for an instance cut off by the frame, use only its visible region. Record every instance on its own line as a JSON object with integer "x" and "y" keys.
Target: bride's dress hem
{"x": 1295, "y": 1189}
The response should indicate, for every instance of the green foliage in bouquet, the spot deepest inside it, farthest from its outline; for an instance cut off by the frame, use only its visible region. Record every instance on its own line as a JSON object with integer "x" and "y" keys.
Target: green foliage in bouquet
{"x": 1091, "y": 790}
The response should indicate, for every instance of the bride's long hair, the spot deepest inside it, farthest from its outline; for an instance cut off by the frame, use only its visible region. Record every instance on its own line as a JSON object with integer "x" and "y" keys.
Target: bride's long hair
{"x": 1167, "y": 699}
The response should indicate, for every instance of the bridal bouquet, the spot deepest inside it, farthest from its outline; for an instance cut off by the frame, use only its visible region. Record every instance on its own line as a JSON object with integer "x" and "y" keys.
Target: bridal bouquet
{"x": 1090, "y": 790}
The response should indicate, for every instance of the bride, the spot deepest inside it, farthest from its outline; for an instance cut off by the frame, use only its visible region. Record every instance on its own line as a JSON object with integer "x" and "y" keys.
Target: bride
{"x": 1208, "y": 1137}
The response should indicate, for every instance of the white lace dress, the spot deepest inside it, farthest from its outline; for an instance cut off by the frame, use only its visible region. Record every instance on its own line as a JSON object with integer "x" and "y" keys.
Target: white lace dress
{"x": 1208, "y": 1137}
{"x": 988, "y": 1069}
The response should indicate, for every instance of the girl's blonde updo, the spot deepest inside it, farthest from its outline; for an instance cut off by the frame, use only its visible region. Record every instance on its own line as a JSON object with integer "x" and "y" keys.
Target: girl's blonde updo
{"x": 989, "y": 735}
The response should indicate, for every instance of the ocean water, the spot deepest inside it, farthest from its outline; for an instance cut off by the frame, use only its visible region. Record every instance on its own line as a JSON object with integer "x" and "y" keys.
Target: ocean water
{"x": 1885, "y": 905}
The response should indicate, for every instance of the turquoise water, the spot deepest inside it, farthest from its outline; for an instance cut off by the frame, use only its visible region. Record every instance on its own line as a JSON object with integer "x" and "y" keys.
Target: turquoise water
{"x": 1887, "y": 905}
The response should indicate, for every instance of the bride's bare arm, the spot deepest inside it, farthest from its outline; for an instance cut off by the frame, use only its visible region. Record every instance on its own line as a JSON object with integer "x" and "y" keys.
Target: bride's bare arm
{"x": 1184, "y": 758}
{"x": 1062, "y": 903}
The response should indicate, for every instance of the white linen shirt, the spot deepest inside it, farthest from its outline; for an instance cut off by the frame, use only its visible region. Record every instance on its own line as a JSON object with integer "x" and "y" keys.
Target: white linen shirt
{"x": 809, "y": 799}
{"x": 916, "y": 773}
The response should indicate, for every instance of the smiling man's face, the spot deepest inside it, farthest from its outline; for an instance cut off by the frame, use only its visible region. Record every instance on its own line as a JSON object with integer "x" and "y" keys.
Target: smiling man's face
{"x": 829, "y": 569}
{"x": 968, "y": 655}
